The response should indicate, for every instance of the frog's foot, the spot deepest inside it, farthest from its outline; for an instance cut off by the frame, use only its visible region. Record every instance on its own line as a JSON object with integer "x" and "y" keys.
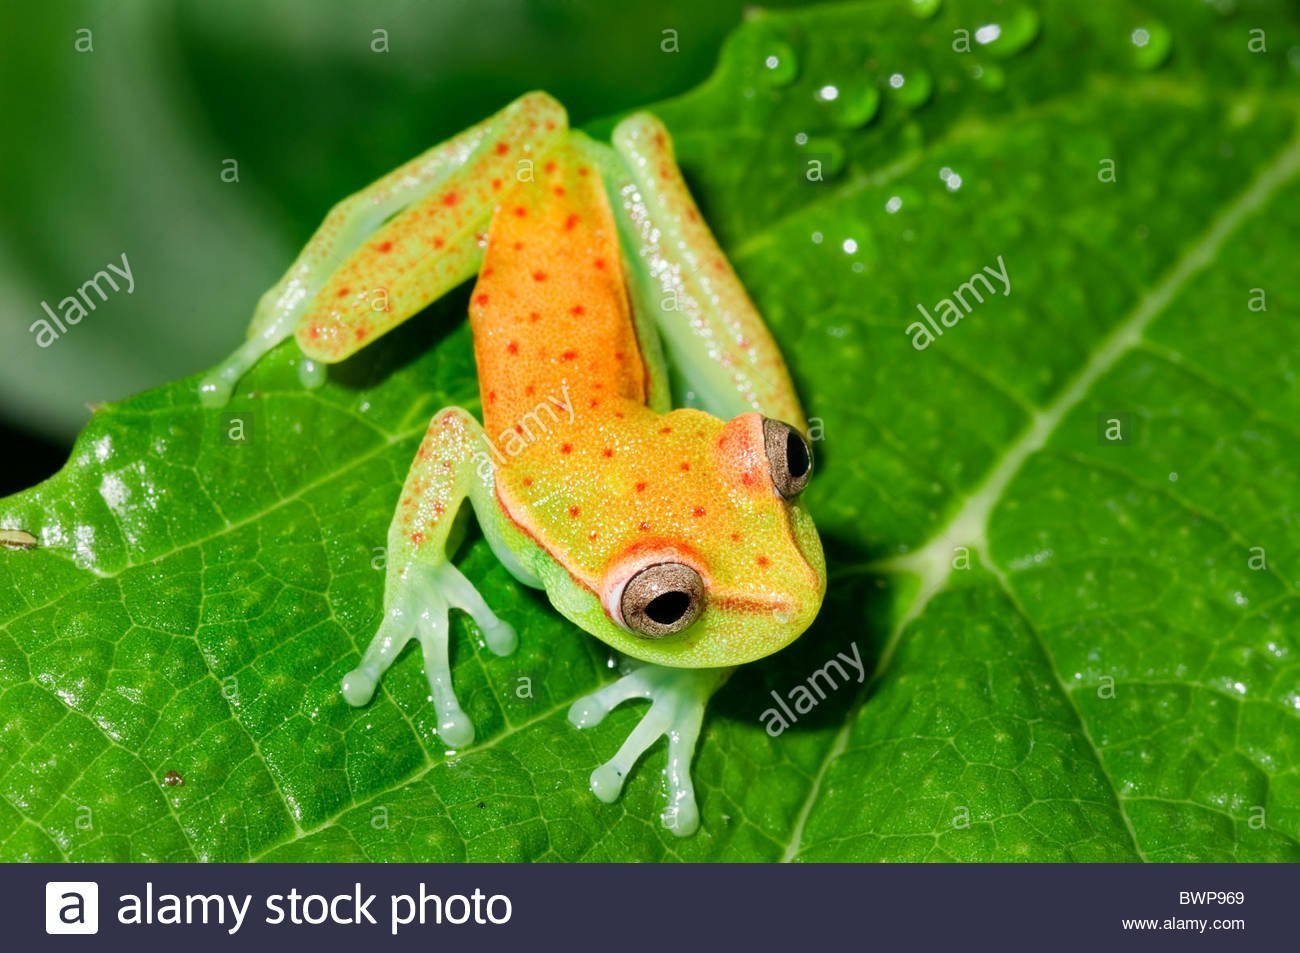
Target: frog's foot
{"x": 677, "y": 697}
{"x": 216, "y": 387}
{"x": 418, "y": 607}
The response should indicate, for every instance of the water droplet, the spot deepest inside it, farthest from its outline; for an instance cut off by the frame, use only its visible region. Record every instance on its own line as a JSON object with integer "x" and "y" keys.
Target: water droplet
{"x": 1010, "y": 35}
{"x": 801, "y": 138}
{"x": 829, "y": 152}
{"x": 1150, "y": 42}
{"x": 850, "y": 246}
{"x": 910, "y": 90}
{"x": 950, "y": 178}
{"x": 1173, "y": 477}
{"x": 925, "y": 8}
{"x": 855, "y": 108}
{"x": 779, "y": 64}
{"x": 906, "y": 197}
{"x": 817, "y": 238}
{"x": 828, "y": 94}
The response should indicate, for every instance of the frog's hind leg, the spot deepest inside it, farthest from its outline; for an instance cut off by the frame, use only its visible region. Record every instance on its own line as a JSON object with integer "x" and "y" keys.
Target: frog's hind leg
{"x": 453, "y": 464}
{"x": 712, "y": 333}
{"x": 389, "y": 250}
{"x": 678, "y": 697}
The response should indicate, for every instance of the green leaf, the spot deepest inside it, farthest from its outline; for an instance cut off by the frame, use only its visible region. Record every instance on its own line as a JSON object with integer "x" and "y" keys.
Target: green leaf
{"x": 1079, "y": 648}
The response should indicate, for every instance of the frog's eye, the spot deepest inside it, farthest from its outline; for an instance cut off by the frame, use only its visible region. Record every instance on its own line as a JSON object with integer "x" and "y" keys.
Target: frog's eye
{"x": 788, "y": 456}
{"x": 662, "y": 599}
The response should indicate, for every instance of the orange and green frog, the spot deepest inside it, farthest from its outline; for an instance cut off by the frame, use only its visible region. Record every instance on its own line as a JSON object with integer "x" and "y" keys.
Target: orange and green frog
{"x": 675, "y": 536}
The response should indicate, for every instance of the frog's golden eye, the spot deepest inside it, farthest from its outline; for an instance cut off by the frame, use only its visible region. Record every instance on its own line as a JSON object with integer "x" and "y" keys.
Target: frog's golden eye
{"x": 662, "y": 599}
{"x": 789, "y": 457}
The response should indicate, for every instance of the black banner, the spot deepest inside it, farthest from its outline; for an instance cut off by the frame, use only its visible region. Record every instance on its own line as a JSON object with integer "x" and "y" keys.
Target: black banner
{"x": 659, "y": 908}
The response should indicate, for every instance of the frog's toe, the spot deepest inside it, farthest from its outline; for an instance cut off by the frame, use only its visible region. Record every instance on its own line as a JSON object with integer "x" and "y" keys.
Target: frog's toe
{"x": 500, "y": 637}
{"x": 677, "y": 701}
{"x": 215, "y": 392}
{"x": 460, "y": 592}
{"x": 271, "y": 325}
{"x": 394, "y": 632}
{"x": 607, "y": 780}
{"x": 590, "y": 710}
{"x": 432, "y": 629}
{"x": 311, "y": 374}
{"x": 218, "y": 384}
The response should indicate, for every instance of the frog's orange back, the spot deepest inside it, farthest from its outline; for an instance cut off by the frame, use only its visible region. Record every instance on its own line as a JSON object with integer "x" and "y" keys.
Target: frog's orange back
{"x": 550, "y": 312}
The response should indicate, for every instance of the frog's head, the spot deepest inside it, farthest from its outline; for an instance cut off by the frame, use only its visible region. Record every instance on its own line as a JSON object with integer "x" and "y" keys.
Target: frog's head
{"x": 727, "y": 567}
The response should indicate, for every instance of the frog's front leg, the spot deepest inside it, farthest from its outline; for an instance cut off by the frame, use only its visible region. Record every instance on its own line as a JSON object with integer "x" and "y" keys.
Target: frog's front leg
{"x": 388, "y": 251}
{"x": 678, "y": 697}
{"x": 452, "y": 465}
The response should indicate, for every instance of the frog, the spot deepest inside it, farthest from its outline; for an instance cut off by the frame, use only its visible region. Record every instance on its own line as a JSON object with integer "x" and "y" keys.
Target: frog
{"x": 642, "y": 451}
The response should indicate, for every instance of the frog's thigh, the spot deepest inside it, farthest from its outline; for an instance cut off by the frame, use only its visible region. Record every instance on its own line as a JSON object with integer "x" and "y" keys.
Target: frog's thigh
{"x": 387, "y": 251}
{"x": 433, "y": 245}
{"x": 712, "y": 333}
{"x": 422, "y": 584}
{"x": 346, "y": 226}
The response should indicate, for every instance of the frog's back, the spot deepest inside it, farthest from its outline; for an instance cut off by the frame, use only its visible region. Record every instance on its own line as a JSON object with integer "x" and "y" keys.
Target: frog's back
{"x": 553, "y": 330}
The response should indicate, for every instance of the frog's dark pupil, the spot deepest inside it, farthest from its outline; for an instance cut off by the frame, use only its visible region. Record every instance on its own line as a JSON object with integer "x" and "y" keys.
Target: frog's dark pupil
{"x": 667, "y": 608}
{"x": 796, "y": 455}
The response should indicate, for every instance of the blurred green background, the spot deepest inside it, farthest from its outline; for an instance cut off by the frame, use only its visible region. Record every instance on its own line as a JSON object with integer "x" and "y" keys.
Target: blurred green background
{"x": 120, "y": 149}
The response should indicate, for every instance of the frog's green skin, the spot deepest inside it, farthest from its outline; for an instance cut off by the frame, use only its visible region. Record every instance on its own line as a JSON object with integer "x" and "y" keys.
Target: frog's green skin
{"x": 674, "y": 536}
